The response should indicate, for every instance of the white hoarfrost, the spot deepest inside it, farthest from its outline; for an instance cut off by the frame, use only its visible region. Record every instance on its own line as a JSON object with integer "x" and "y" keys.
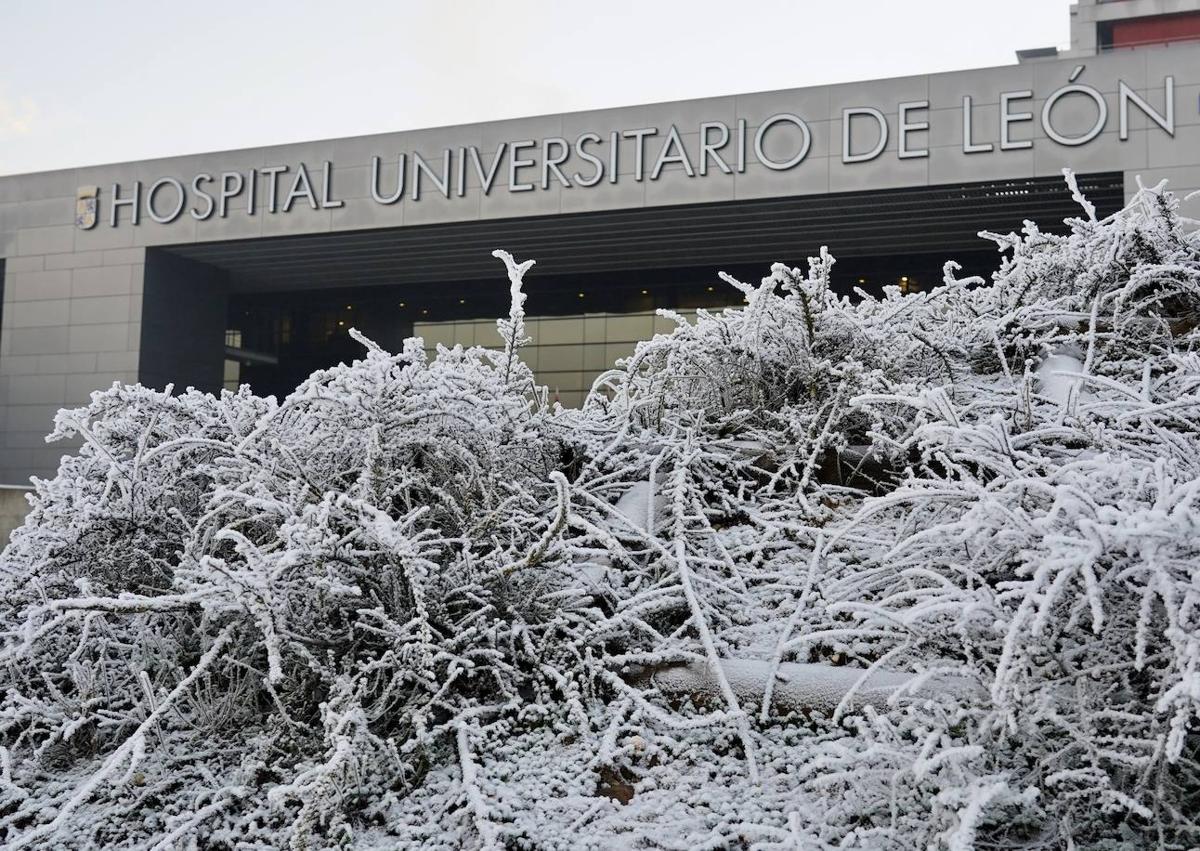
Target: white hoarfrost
{"x": 917, "y": 571}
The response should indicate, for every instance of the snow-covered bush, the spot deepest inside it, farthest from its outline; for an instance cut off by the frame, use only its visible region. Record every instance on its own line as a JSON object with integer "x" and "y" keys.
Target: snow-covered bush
{"x": 912, "y": 571}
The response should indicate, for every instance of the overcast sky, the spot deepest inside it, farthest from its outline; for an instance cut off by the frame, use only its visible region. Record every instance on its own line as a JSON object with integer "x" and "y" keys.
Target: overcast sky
{"x": 85, "y": 82}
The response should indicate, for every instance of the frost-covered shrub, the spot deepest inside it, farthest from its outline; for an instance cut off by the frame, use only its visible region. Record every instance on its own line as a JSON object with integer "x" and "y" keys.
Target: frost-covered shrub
{"x": 330, "y": 577}
{"x": 915, "y": 571}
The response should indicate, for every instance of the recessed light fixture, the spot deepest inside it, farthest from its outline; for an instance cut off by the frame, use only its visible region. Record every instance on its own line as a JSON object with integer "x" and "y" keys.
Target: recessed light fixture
{"x": 402, "y": 304}
{"x": 712, "y": 289}
{"x": 581, "y": 295}
{"x": 462, "y": 301}
{"x": 645, "y": 292}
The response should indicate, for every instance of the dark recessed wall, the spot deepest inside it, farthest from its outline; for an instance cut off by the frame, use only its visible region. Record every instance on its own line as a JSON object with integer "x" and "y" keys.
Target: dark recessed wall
{"x": 1, "y": 292}
{"x": 184, "y": 308}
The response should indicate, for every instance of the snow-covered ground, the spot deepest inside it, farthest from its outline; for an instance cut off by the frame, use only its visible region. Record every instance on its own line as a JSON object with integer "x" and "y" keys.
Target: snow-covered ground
{"x": 919, "y": 571}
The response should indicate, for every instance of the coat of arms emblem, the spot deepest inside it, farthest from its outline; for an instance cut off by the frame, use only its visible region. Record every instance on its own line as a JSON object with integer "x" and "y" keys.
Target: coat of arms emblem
{"x": 86, "y": 205}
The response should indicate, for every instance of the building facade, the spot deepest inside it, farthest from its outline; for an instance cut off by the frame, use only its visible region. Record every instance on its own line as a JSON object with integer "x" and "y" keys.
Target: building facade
{"x": 250, "y": 265}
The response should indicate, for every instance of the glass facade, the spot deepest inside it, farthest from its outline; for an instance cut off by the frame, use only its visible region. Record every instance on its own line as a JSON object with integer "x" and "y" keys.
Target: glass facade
{"x": 567, "y": 353}
{"x": 579, "y": 324}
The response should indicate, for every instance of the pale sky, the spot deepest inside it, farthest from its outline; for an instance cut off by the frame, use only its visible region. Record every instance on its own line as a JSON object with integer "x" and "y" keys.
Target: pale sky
{"x": 84, "y": 82}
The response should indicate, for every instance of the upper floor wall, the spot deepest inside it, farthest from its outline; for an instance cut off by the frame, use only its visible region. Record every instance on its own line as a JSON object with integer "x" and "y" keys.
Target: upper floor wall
{"x": 1098, "y": 25}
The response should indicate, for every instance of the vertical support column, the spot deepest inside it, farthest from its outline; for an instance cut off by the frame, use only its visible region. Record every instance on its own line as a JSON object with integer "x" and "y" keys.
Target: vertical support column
{"x": 184, "y": 312}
